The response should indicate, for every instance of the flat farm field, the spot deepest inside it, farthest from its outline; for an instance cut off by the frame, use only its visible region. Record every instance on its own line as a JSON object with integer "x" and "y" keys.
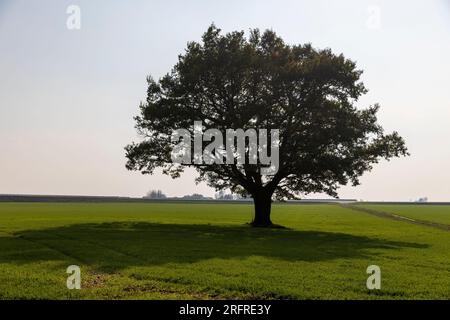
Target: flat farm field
{"x": 206, "y": 251}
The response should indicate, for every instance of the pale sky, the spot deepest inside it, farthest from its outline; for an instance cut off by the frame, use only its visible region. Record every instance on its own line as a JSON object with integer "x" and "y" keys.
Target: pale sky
{"x": 68, "y": 97}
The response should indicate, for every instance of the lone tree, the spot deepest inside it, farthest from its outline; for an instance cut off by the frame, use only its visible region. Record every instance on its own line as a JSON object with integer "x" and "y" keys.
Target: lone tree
{"x": 230, "y": 81}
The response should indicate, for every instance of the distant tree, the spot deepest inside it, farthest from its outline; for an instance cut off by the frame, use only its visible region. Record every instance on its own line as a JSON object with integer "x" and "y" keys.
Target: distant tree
{"x": 196, "y": 196}
{"x": 155, "y": 194}
{"x": 229, "y": 81}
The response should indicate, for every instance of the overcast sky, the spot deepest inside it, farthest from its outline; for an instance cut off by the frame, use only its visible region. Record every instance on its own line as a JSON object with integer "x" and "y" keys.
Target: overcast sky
{"x": 68, "y": 97}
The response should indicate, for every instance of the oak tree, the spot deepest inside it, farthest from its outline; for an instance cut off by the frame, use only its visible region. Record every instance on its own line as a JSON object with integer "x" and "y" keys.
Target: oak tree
{"x": 233, "y": 81}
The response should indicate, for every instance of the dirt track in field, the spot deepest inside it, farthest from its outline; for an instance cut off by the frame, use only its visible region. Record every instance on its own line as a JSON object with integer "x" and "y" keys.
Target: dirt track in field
{"x": 392, "y": 216}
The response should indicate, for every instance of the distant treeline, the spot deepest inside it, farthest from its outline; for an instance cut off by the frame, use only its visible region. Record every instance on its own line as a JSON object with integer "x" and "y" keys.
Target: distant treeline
{"x": 67, "y": 198}
{"x": 55, "y": 198}
{"x": 93, "y": 199}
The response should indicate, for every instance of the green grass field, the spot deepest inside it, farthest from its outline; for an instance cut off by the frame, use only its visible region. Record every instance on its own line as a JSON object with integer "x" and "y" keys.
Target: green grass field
{"x": 433, "y": 213}
{"x": 205, "y": 251}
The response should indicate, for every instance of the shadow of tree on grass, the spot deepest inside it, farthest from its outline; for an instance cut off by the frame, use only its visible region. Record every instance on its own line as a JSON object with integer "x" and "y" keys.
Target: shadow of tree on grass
{"x": 114, "y": 246}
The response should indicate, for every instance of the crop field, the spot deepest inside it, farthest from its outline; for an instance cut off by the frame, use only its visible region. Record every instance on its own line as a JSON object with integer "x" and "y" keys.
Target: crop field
{"x": 206, "y": 251}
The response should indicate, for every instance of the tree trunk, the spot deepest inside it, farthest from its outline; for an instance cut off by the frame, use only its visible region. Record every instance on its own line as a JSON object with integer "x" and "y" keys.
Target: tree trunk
{"x": 263, "y": 203}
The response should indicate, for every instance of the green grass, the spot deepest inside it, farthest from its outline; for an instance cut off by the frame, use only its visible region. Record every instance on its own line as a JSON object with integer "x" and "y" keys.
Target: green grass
{"x": 205, "y": 251}
{"x": 433, "y": 213}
